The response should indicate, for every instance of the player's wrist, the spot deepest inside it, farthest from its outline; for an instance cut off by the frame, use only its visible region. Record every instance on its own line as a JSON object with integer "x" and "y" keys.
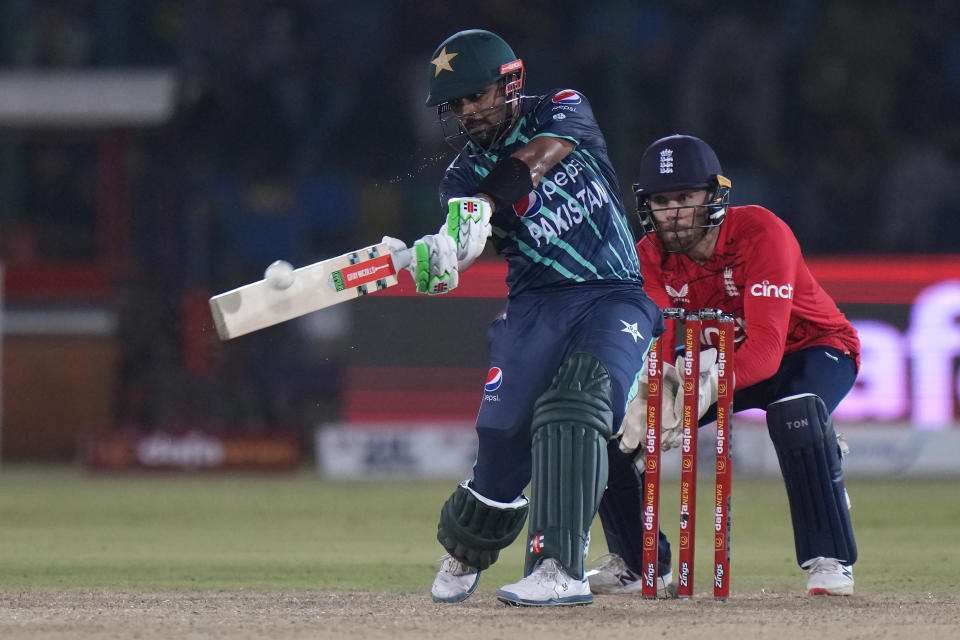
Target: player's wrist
{"x": 509, "y": 181}
{"x": 487, "y": 199}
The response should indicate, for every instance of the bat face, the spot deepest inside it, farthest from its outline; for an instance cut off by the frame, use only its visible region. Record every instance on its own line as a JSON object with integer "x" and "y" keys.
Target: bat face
{"x": 316, "y": 286}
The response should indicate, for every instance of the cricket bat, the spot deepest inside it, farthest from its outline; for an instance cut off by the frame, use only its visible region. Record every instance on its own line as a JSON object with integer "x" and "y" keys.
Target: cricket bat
{"x": 316, "y": 286}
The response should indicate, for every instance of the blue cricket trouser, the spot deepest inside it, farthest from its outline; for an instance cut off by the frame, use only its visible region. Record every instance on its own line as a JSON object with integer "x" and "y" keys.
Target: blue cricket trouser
{"x": 614, "y": 321}
{"x": 824, "y": 371}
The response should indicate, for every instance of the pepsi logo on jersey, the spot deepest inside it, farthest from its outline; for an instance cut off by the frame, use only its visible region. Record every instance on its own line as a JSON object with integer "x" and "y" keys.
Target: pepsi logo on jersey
{"x": 494, "y": 380}
{"x": 529, "y": 206}
{"x": 567, "y": 96}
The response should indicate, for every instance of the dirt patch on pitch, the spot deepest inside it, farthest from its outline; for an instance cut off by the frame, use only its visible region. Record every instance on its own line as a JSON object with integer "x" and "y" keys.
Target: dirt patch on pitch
{"x": 320, "y": 614}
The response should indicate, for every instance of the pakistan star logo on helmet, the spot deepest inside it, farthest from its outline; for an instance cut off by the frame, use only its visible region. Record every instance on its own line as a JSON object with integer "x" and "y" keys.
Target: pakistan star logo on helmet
{"x": 442, "y": 61}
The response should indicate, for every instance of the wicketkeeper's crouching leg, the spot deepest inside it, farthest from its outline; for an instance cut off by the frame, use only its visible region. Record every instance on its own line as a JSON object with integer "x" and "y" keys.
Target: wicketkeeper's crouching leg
{"x": 473, "y": 529}
{"x": 572, "y": 422}
{"x": 810, "y": 459}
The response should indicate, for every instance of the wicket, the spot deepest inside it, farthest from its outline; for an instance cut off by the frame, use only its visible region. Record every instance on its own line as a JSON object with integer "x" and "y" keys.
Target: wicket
{"x": 693, "y": 325}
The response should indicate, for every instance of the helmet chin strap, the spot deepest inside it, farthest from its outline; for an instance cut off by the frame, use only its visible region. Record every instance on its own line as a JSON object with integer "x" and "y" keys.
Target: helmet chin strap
{"x": 716, "y": 216}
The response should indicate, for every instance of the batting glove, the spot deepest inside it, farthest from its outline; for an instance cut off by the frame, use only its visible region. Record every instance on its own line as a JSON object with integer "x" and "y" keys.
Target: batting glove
{"x": 468, "y": 223}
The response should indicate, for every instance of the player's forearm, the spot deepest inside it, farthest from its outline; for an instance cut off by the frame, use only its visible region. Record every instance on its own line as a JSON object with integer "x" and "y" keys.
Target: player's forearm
{"x": 758, "y": 358}
{"x": 542, "y": 154}
{"x": 513, "y": 177}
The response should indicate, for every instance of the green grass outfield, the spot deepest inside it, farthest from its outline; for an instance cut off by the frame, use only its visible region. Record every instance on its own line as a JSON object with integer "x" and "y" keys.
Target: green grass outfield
{"x": 61, "y": 528}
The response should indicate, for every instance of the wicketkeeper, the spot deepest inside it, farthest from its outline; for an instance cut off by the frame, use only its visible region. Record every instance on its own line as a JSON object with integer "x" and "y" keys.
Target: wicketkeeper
{"x": 797, "y": 356}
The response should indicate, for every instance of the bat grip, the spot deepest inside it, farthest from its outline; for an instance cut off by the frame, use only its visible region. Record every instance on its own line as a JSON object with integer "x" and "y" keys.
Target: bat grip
{"x": 402, "y": 259}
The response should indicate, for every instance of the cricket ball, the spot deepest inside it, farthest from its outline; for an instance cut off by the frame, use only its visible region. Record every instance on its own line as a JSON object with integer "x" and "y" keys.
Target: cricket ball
{"x": 279, "y": 274}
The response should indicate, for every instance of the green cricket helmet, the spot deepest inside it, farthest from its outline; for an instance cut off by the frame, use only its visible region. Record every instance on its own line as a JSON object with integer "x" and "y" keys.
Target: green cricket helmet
{"x": 466, "y": 64}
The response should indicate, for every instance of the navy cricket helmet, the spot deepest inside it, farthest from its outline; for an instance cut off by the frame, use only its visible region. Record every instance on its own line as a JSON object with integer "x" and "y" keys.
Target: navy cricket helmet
{"x": 676, "y": 163}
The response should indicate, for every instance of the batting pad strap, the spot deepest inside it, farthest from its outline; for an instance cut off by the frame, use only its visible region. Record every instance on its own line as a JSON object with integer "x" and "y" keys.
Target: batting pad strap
{"x": 571, "y": 424}
{"x": 519, "y": 503}
{"x": 809, "y": 456}
{"x": 473, "y": 529}
{"x": 509, "y": 181}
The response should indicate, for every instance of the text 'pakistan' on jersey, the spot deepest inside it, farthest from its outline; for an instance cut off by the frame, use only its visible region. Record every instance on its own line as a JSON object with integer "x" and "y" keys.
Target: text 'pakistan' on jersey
{"x": 572, "y": 227}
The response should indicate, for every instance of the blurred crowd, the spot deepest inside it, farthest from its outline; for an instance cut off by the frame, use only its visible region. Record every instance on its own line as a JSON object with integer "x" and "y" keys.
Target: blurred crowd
{"x": 300, "y": 131}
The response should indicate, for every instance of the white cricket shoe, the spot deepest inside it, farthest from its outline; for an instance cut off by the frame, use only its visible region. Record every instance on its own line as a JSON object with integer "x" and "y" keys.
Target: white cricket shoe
{"x": 827, "y": 576}
{"x": 455, "y": 581}
{"x": 548, "y": 584}
{"x": 614, "y": 577}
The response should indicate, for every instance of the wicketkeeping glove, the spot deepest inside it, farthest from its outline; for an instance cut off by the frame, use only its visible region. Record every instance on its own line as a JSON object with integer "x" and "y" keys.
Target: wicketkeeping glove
{"x": 709, "y": 381}
{"x": 634, "y": 426}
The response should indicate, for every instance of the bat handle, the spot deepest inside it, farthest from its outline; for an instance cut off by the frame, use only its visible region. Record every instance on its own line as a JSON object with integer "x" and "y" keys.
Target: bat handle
{"x": 402, "y": 259}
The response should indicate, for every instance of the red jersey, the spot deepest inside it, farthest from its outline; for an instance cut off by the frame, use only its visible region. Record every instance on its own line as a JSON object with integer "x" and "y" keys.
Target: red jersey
{"x": 758, "y": 274}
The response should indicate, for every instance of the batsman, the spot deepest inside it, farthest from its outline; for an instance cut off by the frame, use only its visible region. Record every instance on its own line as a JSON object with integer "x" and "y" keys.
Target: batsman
{"x": 532, "y": 175}
{"x": 797, "y": 356}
